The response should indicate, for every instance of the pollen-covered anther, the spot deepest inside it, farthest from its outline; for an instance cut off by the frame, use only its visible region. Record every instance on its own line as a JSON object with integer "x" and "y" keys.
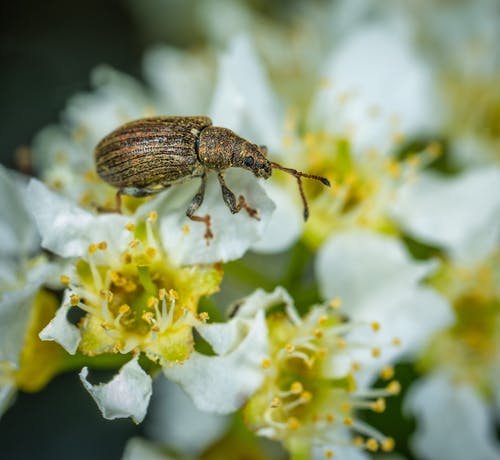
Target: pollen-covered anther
{"x": 124, "y": 309}
{"x": 149, "y": 317}
{"x": 330, "y": 418}
{"x": 265, "y": 363}
{"x": 203, "y": 316}
{"x": 151, "y": 252}
{"x": 306, "y": 397}
{"x": 345, "y": 407}
{"x": 289, "y": 348}
{"x": 293, "y": 423}
{"x": 335, "y": 303}
{"x": 276, "y": 402}
{"x": 318, "y": 333}
{"x": 388, "y": 444}
{"x": 106, "y": 295}
{"x": 65, "y": 280}
{"x": 153, "y": 216}
{"x": 396, "y": 342}
{"x": 348, "y": 421}
{"x": 375, "y": 326}
{"x": 322, "y": 320}
{"x": 387, "y": 372}
{"x": 358, "y": 441}
{"x": 340, "y": 342}
{"x": 102, "y": 245}
{"x": 376, "y": 352}
{"x": 152, "y": 302}
{"x": 134, "y": 243}
{"x": 173, "y": 294}
{"x": 394, "y": 387}
{"x": 74, "y": 300}
{"x": 92, "y": 248}
{"x": 355, "y": 366}
{"x": 185, "y": 229}
{"x": 378, "y": 405}
{"x": 162, "y": 293}
{"x": 328, "y": 453}
{"x": 296, "y": 388}
{"x": 130, "y": 285}
{"x": 372, "y": 444}
{"x": 130, "y": 227}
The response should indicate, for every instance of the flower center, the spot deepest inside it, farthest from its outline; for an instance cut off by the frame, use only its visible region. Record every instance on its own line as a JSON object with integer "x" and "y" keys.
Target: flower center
{"x": 137, "y": 299}
{"x": 362, "y": 185}
{"x": 309, "y": 396}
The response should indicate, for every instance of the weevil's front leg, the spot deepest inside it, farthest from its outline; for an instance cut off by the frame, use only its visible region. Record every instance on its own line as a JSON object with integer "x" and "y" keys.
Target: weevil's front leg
{"x": 195, "y": 204}
{"x": 231, "y": 203}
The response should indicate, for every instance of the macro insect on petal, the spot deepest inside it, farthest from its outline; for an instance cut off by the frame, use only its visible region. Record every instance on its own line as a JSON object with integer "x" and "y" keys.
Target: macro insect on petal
{"x": 146, "y": 156}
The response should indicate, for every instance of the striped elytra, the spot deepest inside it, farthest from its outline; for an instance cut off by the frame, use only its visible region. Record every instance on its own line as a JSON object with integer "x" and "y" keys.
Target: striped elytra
{"x": 148, "y": 155}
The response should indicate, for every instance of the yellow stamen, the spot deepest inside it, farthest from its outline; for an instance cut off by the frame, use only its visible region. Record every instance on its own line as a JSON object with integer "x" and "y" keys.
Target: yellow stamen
{"x": 372, "y": 445}
{"x": 348, "y": 421}
{"x": 65, "y": 280}
{"x": 74, "y": 300}
{"x": 92, "y": 248}
{"x": 379, "y": 405}
{"x": 388, "y": 444}
{"x": 375, "y": 326}
{"x": 102, "y": 245}
{"x": 276, "y": 402}
{"x": 265, "y": 363}
{"x": 335, "y": 303}
{"x": 394, "y": 387}
{"x": 153, "y": 215}
{"x": 387, "y": 372}
{"x": 293, "y": 423}
{"x": 130, "y": 227}
{"x": 296, "y": 388}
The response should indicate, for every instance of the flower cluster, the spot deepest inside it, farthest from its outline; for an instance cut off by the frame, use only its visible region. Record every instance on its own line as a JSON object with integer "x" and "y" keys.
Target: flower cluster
{"x": 398, "y": 262}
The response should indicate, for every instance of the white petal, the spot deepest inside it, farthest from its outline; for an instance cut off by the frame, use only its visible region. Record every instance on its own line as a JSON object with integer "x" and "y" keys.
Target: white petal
{"x": 286, "y": 222}
{"x": 17, "y": 230}
{"x": 174, "y": 421}
{"x": 61, "y": 330}
{"x": 222, "y": 384}
{"x": 243, "y": 99}
{"x": 68, "y": 230}
{"x": 233, "y": 233}
{"x": 453, "y": 421}
{"x": 182, "y": 81}
{"x": 462, "y": 213}
{"x": 126, "y": 395}
{"x": 225, "y": 337}
{"x": 15, "y": 308}
{"x": 7, "y": 392}
{"x": 375, "y": 69}
{"x": 141, "y": 449}
{"x": 366, "y": 270}
{"x": 378, "y": 282}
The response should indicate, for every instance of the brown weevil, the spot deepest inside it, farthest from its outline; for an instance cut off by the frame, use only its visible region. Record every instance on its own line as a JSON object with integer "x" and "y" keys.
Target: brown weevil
{"x": 146, "y": 156}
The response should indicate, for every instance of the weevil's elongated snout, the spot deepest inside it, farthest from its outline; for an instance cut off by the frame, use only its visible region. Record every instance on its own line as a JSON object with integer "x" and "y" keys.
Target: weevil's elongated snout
{"x": 299, "y": 175}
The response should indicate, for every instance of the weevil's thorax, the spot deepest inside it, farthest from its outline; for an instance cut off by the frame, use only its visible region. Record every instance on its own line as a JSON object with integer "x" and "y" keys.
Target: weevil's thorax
{"x": 221, "y": 148}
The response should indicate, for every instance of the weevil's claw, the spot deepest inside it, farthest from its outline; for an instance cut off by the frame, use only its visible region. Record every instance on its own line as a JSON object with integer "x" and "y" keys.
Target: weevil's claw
{"x": 208, "y": 226}
{"x": 252, "y": 212}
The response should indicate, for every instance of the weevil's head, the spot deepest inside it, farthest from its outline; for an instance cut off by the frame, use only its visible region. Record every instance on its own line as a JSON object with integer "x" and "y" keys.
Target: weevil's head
{"x": 253, "y": 158}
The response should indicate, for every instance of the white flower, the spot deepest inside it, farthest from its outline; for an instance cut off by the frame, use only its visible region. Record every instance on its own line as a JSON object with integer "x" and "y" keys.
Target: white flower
{"x": 462, "y": 216}
{"x": 454, "y": 421}
{"x": 376, "y": 90}
{"x": 375, "y": 280}
{"x": 293, "y": 373}
{"x": 21, "y": 277}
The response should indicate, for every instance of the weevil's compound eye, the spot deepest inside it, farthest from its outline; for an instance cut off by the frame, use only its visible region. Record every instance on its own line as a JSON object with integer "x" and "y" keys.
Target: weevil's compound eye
{"x": 249, "y": 161}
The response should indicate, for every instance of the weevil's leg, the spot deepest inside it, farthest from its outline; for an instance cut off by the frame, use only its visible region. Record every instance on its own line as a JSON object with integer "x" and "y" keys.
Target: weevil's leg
{"x": 118, "y": 201}
{"x": 231, "y": 203}
{"x": 195, "y": 204}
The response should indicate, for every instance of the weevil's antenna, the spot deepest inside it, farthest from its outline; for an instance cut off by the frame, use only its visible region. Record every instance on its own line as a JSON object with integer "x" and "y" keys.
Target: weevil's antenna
{"x": 299, "y": 175}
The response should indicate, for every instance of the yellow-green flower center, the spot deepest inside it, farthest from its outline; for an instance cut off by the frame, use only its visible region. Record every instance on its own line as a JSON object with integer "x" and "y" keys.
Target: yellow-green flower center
{"x": 470, "y": 347}
{"x": 303, "y": 400}
{"x": 138, "y": 300}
